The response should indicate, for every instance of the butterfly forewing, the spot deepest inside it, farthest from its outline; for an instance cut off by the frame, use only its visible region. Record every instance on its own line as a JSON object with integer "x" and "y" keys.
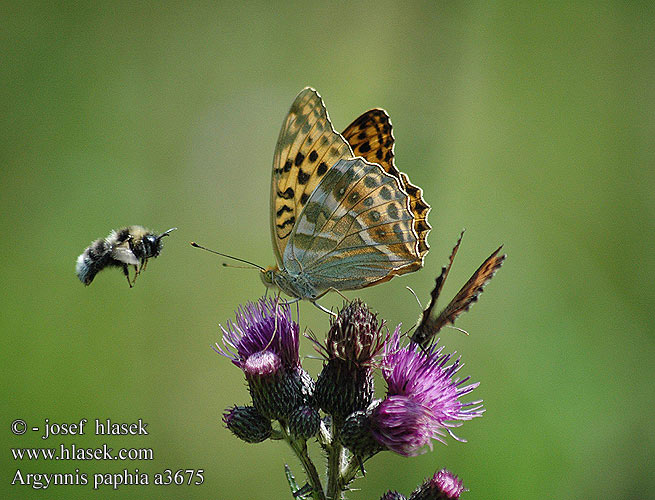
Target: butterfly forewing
{"x": 307, "y": 147}
{"x": 429, "y": 325}
{"x": 355, "y": 231}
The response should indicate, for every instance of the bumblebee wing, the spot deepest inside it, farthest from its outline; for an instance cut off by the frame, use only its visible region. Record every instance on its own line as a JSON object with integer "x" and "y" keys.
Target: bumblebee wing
{"x": 125, "y": 255}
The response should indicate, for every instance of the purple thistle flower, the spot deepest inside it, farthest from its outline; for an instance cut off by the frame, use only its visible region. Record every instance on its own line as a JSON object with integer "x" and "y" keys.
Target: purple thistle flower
{"x": 422, "y": 398}
{"x": 264, "y": 343}
{"x": 265, "y": 330}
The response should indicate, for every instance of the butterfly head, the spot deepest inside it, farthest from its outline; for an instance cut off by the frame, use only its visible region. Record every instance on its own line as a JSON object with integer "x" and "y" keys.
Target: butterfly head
{"x": 268, "y": 275}
{"x": 295, "y": 285}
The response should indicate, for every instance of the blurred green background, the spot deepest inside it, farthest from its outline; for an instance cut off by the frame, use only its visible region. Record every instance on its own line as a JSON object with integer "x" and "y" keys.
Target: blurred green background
{"x": 529, "y": 124}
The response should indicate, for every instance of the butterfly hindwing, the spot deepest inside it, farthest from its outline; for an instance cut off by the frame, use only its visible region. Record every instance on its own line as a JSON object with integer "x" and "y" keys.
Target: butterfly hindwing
{"x": 371, "y": 136}
{"x": 355, "y": 231}
{"x": 430, "y": 325}
{"x": 307, "y": 147}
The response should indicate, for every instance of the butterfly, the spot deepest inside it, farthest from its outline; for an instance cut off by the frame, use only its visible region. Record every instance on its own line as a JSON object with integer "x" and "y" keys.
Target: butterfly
{"x": 428, "y": 324}
{"x": 343, "y": 217}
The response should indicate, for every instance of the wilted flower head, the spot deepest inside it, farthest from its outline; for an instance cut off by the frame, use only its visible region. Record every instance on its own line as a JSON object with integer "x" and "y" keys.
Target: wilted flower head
{"x": 355, "y": 335}
{"x": 265, "y": 330}
{"x": 355, "y": 339}
{"x": 422, "y": 398}
{"x": 444, "y": 485}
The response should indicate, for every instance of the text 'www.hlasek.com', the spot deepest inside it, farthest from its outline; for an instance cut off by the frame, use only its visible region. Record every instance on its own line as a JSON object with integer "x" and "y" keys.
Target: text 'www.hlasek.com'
{"x": 28, "y": 459}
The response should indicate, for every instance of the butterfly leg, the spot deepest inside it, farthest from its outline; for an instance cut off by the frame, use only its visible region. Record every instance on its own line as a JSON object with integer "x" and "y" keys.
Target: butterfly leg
{"x": 325, "y": 310}
{"x": 332, "y": 289}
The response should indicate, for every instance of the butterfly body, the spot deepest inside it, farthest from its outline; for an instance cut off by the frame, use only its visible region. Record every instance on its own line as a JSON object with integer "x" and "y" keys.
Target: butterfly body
{"x": 295, "y": 285}
{"x": 342, "y": 215}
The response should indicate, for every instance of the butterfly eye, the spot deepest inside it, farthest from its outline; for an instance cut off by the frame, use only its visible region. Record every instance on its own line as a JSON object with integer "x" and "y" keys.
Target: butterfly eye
{"x": 267, "y": 277}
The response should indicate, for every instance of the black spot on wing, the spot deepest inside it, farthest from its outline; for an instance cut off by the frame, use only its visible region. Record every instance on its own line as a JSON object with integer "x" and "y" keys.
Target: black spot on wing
{"x": 370, "y": 182}
{"x": 374, "y": 216}
{"x": 303, "y": 177}
{"x": 287, "y": 194}
{"x": 287, "y": 222}
{"x": 284, "y": 208}
{"x": 322, "y": 168}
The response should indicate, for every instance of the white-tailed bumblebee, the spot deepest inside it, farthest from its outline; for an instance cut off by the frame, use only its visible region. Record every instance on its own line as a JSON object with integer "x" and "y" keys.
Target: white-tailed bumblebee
{"x": 129, "y": 246}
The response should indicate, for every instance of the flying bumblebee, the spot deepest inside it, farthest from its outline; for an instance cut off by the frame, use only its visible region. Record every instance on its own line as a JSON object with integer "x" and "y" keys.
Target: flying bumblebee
{"x": 129, "y": 246}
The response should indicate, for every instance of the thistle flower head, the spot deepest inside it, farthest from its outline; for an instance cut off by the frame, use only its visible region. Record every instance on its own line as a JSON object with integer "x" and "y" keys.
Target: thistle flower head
{"x": 444, "y": 485}
{"x": 422, "y": 398}
{"x": 265, "y": 330}
{"x": 264, "y": 343}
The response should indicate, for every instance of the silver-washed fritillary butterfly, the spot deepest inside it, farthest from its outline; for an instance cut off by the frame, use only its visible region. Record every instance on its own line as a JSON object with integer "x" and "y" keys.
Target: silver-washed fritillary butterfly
{"x": 343, "y": 217}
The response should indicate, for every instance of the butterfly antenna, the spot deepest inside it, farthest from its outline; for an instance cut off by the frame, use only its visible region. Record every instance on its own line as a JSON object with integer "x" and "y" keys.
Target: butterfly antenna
{"x": 225, "y": 264}
{"x": 415, "y": 296}
{"x": 194, "y": 244}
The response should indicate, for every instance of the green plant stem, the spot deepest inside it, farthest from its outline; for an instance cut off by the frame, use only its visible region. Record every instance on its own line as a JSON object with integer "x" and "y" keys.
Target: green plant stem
{"x": 299, "y": 447}
{"x": 350, "y": 471}
{"x": 335, "y": 463}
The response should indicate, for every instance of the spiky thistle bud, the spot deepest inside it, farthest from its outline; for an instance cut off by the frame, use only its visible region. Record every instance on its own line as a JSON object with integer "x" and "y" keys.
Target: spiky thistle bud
{"x": 304, "y": 422}
{"x": 247, "y": 424}
{"x": 357, "y": 437}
